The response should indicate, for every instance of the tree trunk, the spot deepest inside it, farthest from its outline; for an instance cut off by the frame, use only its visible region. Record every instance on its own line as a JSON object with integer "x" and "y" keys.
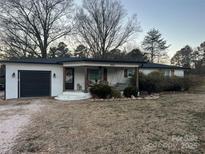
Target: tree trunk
{"x": 44, "y": 52}
{"x": 152, "y": 56}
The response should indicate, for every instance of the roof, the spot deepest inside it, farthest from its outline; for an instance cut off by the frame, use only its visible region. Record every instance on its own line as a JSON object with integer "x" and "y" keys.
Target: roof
{"x": 69, "y": 59}
{"x": 161, "y": 66}
{"x": 60, "y": 61}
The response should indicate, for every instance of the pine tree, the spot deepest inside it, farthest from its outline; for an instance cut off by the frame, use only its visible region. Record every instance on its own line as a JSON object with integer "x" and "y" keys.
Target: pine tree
{"x": 154, "y": 44}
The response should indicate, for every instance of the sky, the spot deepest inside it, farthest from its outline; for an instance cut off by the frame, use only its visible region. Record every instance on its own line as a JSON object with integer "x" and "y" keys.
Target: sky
{"x": 181, "y": 22}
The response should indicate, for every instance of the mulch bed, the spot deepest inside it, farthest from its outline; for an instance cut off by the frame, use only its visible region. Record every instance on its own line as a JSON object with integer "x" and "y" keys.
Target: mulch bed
{"x": 149, "y": 97}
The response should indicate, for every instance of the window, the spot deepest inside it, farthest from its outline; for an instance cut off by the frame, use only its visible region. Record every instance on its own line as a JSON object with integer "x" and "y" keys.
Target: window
{"x": 94, "y": 75}
{"x": 165, "y": 72}
{"x": 128, "y": 73}
{"x": 131, "y": 72}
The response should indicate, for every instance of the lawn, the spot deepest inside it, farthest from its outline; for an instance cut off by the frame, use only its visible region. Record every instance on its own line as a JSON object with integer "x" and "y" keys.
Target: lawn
{"x": 173, "y": 124}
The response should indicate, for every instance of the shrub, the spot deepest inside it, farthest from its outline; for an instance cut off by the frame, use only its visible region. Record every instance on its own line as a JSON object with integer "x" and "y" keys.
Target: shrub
{"x": 187, "y": 83}
{"x": 176, "y": 84}
{"x": 151, "y": 82}
{"x": 156, "y": 82}
{"x": 130, "y": 91}
{"x": 156, "y": 76}
{"x": 142, "y": 84}
{"x": 101, "y": 91}
{"x": 172, "y": 84}
{"x": 116, "y": 93}
{"x": 142, "y": 79}
{"x": 145, "y": 83}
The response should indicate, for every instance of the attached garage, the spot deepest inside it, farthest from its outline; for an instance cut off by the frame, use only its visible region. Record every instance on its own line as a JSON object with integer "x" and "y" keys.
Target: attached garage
{"x": 34, "y": 83}
{"x": 33, "y": 80}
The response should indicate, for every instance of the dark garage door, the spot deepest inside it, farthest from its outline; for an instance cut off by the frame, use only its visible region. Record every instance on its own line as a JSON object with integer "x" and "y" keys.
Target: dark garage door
{"x": 34, "y": 83}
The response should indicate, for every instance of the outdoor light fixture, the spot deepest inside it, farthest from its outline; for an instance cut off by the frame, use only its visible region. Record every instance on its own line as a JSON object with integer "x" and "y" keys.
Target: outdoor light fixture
{"x": 54, "y": 75}
{"x": 13, "y": 75}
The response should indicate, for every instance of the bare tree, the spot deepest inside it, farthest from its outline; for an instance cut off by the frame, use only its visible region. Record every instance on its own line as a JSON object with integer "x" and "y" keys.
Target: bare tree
{"x": 28, "y": 27}
{"x": 103, "y": 26}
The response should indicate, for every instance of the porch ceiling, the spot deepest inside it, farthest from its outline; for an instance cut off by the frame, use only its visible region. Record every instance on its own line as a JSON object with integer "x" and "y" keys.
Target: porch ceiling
{"x": 99, "y": 64}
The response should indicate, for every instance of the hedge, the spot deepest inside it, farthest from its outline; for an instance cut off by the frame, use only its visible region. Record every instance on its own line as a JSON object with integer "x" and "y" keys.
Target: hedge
{"x": 157, "y": 82}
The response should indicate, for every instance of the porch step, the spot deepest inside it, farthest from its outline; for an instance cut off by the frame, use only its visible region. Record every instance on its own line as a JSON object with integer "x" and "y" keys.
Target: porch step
{"x": 72, "y": 96}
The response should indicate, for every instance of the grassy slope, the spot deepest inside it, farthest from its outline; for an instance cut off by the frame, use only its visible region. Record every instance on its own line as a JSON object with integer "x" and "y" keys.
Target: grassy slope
{"x": 173, "y": 124}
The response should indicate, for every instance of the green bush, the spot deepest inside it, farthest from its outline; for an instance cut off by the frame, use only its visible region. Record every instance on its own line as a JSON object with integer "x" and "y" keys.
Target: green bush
{"x": 176, "y": 84}
{"x": 187, "y": 83}
{"x": 145, "y": 84}
{"x": 130, "y": 91}
{"x": 101, "y": 91}
{"x": 156, "y": 82}
{"x": 172, "y": 84}
{"x": 151, "y": 82}
{"x": 104, "y": 91}
{"x": 115, "y": 93}
{"x": 142, "y": 80}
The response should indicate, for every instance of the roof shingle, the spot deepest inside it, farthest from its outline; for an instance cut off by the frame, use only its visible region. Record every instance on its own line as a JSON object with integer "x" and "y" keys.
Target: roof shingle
{"x": 60, "y": 61}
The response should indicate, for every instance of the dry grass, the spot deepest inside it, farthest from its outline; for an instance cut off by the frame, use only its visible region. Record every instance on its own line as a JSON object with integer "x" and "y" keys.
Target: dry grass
{"x": 15, "y": 102}
{"x": 197, "y": 84}
{"x": 173, "y": 124}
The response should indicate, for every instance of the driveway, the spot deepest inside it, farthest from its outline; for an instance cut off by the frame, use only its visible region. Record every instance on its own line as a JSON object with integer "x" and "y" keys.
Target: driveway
{"x": 14, "y": 117}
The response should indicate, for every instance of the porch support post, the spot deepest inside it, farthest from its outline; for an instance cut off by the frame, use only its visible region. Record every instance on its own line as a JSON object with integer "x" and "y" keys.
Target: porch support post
{"x": 64, "y": 78}
{"x": 137, "y": 77}
{"x": 86, "y": 79}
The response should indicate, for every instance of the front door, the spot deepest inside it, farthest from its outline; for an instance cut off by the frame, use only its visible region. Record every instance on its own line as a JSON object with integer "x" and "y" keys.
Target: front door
{"x": 69, "y": 79}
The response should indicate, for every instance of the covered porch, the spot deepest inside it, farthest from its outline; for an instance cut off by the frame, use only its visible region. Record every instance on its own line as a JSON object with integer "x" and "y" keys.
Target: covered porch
{"x": 79, "y": 76}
